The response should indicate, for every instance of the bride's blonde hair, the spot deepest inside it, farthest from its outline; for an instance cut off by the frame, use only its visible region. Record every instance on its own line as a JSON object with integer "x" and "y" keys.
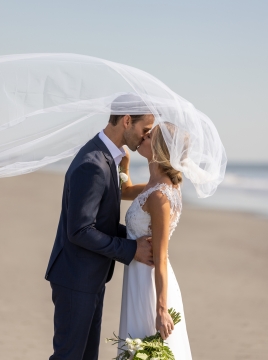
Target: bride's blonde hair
{"x": 161, "y": 154}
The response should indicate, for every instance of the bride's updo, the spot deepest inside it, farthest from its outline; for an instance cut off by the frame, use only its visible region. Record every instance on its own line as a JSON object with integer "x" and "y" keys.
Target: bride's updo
{"x": 161, "y": 154}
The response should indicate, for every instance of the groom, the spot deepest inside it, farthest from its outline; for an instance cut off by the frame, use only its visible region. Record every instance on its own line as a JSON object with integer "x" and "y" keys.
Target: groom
{"x": 90, "y": 239}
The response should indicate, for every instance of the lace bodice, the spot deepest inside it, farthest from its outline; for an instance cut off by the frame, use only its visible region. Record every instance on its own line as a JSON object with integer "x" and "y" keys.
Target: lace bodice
{"x": 138, "y": 221}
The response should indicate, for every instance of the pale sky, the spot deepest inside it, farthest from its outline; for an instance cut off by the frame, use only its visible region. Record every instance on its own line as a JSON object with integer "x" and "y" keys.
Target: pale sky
{"x": 213, "y": 53}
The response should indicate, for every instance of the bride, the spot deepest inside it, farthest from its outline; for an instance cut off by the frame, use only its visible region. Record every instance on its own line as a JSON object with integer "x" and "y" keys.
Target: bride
{"x": 148, "y": 292}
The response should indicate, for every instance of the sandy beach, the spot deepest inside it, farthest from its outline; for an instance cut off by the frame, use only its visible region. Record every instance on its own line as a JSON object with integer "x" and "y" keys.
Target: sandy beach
{"x": 219, "y": 258}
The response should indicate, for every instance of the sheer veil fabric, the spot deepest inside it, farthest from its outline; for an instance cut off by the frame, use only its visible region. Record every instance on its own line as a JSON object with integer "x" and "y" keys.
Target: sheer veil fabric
{"x": 52, "y": 104}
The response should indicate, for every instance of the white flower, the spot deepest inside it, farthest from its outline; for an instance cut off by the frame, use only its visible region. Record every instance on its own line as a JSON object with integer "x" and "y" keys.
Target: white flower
{"x": 128, "y": 341}
{"x": 131, "y": 346}
{"x": 154, "y": 359}
{"x": 138, "y": 347}
{"x": 123, "y": 177}
{"x": 137, "y": 341}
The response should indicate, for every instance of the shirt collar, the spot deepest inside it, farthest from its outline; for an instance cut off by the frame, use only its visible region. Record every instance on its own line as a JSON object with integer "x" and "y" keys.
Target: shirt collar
{"x": 117, "y": 153}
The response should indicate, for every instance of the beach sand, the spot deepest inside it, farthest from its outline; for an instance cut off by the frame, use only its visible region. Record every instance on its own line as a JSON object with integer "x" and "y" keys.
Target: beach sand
{"x": 219, "y": 258}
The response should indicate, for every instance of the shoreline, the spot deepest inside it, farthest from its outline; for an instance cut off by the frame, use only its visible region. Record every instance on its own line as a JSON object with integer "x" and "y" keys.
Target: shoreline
{"x": 219, "y": 258}
{"x": 189, "y": 204}
{"x": 244, "y": 188}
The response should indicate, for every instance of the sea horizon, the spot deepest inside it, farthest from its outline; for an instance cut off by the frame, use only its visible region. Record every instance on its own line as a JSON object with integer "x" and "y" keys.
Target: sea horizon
{"x": 244, "y": 188}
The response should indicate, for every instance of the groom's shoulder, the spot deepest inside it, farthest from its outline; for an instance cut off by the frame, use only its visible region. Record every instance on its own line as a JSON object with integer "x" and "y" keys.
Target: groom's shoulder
{"x": 90, "y": 153}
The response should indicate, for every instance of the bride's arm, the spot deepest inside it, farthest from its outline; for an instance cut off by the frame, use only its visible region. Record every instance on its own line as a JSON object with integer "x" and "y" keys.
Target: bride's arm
{"x": 128, "y": 190}
{"x": 159, "y": 208}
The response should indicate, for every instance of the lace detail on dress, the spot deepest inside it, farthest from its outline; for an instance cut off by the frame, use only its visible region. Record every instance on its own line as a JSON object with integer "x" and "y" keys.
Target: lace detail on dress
{"x": 138, "y": 221}
{"x": 173, "y": 195}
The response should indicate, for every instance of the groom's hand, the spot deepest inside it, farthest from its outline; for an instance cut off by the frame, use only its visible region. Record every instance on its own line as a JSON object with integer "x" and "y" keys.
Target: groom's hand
{"x": 144, "y": 253}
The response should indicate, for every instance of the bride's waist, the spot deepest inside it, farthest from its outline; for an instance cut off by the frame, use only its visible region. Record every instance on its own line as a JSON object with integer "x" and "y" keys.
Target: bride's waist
{"x": 140, "y": 264}
{"x": 132, "y": 236}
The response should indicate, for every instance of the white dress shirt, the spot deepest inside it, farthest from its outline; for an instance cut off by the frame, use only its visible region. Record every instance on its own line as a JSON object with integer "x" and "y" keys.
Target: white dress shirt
{"x": 116, "y": 153}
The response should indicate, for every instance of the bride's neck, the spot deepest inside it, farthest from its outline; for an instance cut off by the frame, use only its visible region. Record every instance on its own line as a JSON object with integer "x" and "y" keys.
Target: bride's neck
{"x": 155, "y": 173}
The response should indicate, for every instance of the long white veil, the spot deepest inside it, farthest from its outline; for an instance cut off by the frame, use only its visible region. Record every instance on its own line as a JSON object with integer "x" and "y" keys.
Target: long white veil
{"x": 52, "y": 104}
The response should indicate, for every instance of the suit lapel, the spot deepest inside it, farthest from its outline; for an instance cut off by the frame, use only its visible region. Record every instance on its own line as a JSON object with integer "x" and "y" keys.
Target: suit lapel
{"x": 100, "y": 144}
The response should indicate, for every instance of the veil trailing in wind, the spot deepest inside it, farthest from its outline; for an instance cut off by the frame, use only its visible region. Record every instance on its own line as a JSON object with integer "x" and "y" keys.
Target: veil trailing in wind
{"x": 52, "y": 104}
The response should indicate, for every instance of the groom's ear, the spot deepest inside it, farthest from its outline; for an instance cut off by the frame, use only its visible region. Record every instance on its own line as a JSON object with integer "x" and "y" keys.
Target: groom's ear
{"x": 126, "y": 120}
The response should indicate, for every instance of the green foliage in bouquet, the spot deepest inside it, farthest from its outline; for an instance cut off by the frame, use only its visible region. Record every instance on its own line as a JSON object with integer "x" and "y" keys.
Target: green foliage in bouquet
{"x": 150, "y": 348}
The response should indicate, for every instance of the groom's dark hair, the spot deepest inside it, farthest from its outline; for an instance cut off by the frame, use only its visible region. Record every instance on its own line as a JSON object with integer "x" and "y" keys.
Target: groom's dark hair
{"x": 128, "y": 103}
{"x": 115, "y": 118}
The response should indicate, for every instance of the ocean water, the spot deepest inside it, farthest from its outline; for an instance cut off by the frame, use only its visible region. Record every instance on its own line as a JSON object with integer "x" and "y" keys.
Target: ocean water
{"x": 245, "y": 187}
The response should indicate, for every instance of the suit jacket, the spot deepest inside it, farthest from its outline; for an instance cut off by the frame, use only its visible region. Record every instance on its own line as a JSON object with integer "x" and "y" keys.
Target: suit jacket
{"x": 89, "y": 237}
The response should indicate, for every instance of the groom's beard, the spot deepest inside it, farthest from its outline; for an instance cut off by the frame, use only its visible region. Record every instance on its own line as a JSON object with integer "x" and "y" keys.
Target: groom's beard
{"x": 133, "y": 146}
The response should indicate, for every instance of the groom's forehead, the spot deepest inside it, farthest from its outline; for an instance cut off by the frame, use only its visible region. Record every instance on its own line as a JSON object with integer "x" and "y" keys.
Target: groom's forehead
{"x": 148, "y": 121}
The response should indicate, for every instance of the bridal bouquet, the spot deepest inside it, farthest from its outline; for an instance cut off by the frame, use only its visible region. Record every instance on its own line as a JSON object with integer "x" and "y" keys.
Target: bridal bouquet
{"x": 150, "y": 348}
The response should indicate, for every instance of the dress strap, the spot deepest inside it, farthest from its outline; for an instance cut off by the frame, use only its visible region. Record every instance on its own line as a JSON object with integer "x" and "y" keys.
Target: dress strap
{"x": 173, "y": 195}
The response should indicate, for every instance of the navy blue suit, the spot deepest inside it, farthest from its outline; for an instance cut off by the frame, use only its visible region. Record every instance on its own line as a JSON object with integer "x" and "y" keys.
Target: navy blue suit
{"x": 88, "y": 241}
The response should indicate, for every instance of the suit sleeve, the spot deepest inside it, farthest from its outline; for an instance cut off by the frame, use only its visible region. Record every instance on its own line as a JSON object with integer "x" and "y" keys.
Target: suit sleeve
{"x": 122, "y": 231}
{"x": 86, "y": 188}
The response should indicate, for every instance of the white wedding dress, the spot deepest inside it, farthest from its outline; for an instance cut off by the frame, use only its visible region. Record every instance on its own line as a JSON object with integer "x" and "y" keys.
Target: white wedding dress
{"x": 138, "y": 308}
